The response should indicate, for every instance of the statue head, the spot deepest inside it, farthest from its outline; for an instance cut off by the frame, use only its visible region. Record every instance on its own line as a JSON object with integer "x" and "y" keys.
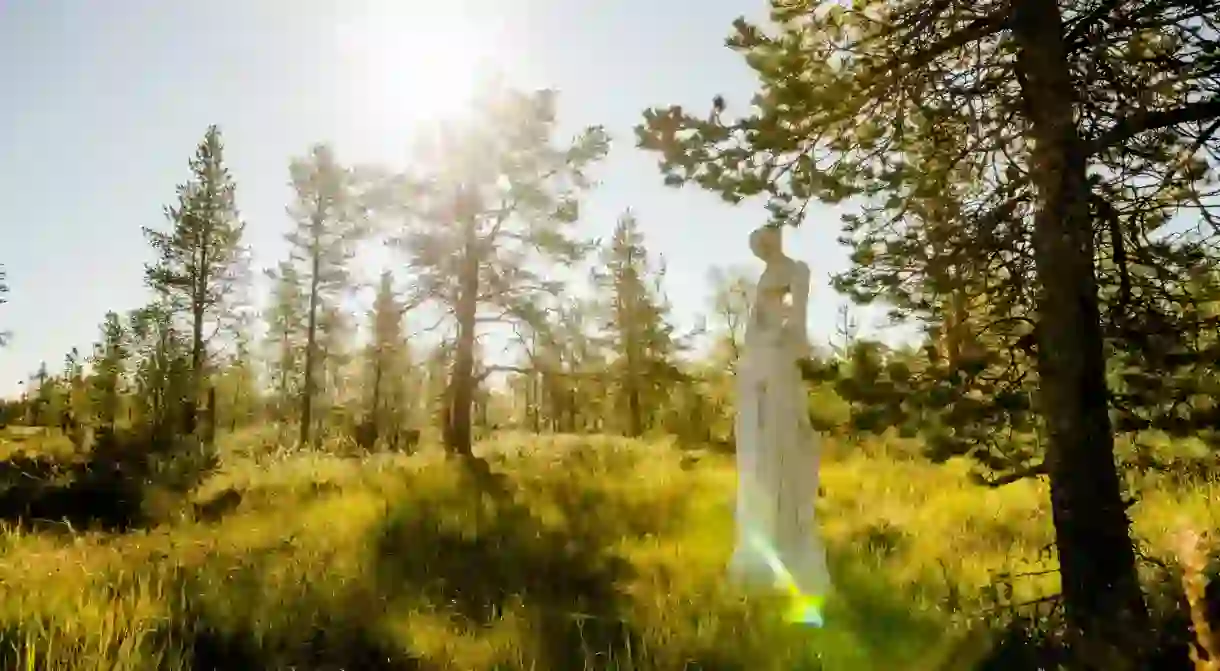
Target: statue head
{"x": 767, "y": 243}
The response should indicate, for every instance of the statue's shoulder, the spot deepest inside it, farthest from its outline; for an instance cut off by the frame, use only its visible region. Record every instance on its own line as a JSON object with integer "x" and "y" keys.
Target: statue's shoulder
{"x": 800, "y": 268}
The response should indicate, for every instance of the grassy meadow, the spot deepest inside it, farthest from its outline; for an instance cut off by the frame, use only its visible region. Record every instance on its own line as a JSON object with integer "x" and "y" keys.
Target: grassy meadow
{"x": 589, "y": 553}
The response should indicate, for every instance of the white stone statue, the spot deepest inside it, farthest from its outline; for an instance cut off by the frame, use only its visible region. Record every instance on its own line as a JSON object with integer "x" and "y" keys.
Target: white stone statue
{"x": 778, "y": 453}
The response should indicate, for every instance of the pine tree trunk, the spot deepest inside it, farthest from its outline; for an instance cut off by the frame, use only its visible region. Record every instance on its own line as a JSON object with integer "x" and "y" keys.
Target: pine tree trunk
{"x": 635, "y": 410}
{"x": 532, "y": 412}
{"x": 209, "y": 436}
{"x": 573, "y": 412}
{"x": 374, "y": 419}
{"x": 1101, "y": 591}
{"x": 536, "y": 402}
{"x": 447, "y": 416}
{"x": 460, "y": 440}
{"x": 636, "y": 426}
{"x": 311, "y": 346}
{"x": 627, "y": 326}
{"x": 191, "y": 411}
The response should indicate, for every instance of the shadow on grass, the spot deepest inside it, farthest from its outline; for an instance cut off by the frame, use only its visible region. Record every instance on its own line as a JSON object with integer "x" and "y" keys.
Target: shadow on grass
{"x": 191, "y": 638}
{"x": 220, "y": 626}
{"x": 480, "y": 549}
{"x": 13, "y": 648}
{"x": 102, "y": 489}
{"x": 344, "y": 646}
{"x": 43, "y": 493}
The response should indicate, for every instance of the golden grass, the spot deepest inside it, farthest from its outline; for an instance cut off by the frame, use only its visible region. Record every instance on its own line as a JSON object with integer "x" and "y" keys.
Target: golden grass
{"x": 603, "y": 553}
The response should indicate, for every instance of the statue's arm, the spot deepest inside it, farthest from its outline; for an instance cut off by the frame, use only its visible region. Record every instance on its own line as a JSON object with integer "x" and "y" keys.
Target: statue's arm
{"x": 800, "y": 305}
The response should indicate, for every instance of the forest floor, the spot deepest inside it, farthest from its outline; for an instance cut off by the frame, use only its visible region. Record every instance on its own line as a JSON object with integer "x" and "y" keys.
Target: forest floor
{"x": 591, "y": 553}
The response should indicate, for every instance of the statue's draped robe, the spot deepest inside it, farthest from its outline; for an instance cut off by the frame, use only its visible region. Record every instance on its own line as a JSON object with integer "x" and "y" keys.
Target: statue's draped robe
{"x": 778, "y": 453}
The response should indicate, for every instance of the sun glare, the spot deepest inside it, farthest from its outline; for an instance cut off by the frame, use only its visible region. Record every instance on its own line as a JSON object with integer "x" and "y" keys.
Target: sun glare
{"x": 416, "y": 68}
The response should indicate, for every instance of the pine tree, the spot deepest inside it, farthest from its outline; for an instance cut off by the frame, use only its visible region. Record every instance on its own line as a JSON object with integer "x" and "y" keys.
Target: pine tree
{"x": 163, "y": 370}
{"x": 76, "y": 398}
{"x": 109, "y": 362}
{"x": 388, "y": 360}
{"x": 583, "y": 367}
{"x": 333, "y": 388}
{"x": 237, "y": 381}
{"x": 200, "y": 262}
{"x": 732, "y": 295}
{"x": 565, "y": 364}
{"x": 43, "y": 396}
{"x": 435, "y": 408}
{"x": 637, "y": 330}
{"x": 286, "y": 334}
{"x": 495, "y": 203}
{"x": 528, "y": 382}
{"x": 329, "y": 219}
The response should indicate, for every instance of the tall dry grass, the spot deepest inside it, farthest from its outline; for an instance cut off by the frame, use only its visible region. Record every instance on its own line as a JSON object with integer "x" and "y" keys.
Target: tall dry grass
{"x": 599, "y": 553}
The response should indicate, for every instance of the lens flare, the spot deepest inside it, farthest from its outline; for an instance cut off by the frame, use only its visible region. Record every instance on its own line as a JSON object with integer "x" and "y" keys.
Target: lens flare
{"x": 805, "y": 609}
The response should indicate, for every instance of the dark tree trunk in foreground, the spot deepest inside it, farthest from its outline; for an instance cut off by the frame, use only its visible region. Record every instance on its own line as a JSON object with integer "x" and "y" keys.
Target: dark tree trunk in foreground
{"x": 1097, "y": 559}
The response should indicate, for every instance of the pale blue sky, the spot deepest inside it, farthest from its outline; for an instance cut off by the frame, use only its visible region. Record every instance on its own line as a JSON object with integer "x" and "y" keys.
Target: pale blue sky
{"x": 104, "y": 102}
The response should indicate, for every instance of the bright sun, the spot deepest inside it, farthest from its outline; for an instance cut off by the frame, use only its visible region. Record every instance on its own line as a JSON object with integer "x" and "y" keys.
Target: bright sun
{"x": 415, "y": 68}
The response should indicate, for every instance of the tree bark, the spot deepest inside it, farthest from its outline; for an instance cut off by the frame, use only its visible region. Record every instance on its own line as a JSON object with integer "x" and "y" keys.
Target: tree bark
{"x": 533, "y": 406}
{"x": 191, "y": 406}
{"x": 311, "y": 346}
{"x": 634, "y": 408}
{"x": 1102, "y": 596}
{"x": 628, "y": 317}
{"x": 198, "y": 307}
{"x": 375, "y": 411}
{"x": 209, "y": 434}
{"x": 462, "y": 400}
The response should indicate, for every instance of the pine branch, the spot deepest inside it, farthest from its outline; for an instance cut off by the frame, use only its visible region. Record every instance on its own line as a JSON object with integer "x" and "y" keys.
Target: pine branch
{"x": 1144, "y": 121}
